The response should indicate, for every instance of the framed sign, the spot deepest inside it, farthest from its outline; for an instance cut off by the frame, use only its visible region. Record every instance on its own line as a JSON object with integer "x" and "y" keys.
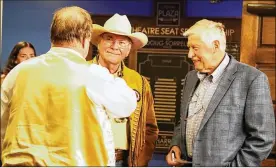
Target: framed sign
{"x": 165, "y": 73}
{"x": 168, "y": 14}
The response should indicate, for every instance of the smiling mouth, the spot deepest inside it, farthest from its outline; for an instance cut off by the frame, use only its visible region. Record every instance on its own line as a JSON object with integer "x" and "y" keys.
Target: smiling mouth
{"x": 196, "y": 62}
{"x": 112, "y": 53}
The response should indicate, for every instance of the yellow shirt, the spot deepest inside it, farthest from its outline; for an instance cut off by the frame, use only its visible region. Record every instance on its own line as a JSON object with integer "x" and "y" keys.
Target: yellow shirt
{"x": 48, "y": 114}
{"x": 120, "y": 133}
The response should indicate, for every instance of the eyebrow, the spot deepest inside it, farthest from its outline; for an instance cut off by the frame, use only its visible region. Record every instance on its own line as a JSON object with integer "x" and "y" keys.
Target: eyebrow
{"x": 192, "y": 45}
{"x": 26, "y": 54}
{"x": 120, "y": 39}
{"x": 106, "y": 35}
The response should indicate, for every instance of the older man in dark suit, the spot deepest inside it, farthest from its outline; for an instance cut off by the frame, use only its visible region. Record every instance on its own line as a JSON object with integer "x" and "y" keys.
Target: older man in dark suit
{"x": 227, "y": 116}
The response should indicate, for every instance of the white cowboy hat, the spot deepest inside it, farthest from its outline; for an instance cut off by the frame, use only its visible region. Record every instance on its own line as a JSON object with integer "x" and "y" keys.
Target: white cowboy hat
{"x": 120, "y": 25}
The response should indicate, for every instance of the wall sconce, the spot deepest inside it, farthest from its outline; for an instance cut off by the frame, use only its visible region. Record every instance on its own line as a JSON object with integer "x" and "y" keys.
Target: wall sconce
{"x": 215, "y": 1}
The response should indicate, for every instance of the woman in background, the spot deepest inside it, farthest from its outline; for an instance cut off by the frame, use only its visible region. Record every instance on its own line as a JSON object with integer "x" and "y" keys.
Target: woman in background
{"x": 22, "y": 51}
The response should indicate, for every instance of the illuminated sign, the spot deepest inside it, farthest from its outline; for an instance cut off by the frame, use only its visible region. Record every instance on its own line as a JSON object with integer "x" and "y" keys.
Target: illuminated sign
{"x": 168, "y": 14}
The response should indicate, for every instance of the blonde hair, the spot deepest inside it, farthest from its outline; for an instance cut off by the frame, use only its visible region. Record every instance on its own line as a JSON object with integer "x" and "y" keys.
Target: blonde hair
{"x": 71, "y": 24}
{"x": 209, "y": 31}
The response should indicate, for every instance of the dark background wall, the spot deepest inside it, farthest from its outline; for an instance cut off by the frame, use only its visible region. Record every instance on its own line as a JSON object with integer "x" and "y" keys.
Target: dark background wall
{"x": 30, "y": 21}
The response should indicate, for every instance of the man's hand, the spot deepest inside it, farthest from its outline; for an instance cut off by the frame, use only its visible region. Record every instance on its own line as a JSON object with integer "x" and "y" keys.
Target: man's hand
{"x": 174, "y": 159}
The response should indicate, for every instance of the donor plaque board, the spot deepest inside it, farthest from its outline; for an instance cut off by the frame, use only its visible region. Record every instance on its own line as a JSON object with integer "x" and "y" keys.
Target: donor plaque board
{"x": 165, "y": 73}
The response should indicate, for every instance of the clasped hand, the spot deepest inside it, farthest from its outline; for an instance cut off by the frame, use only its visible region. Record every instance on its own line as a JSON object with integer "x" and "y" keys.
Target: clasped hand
{"x": 173, "y": 157}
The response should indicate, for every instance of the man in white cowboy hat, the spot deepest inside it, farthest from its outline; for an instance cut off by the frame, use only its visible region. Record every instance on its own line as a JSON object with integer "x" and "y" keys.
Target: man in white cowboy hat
{"x": 134, "y": 136}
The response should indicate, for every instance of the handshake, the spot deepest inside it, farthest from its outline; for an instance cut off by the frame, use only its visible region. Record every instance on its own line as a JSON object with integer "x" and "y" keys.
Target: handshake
{"x": 173, "y": 157}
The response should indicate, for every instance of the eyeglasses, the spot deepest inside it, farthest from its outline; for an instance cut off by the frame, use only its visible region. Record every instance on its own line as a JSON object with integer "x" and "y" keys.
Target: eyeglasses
{"x": 110, "y": 41}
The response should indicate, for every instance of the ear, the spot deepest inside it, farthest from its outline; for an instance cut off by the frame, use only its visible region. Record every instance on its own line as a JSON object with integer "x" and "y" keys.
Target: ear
{"x": 85, "y": 43}
{"x": 216, "y": 45}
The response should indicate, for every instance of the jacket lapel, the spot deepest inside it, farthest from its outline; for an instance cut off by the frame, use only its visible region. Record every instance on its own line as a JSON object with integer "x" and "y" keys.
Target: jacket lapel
{"x": 224, "y": 84}
{"x": 191, "y": 84}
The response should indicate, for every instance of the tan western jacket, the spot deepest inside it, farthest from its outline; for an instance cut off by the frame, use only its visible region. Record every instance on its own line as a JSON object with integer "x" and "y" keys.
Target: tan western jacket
{"x": 143, "y": 125}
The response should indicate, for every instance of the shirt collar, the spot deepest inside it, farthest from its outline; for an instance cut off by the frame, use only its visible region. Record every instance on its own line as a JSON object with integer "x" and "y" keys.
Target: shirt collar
{"x": 201, "y": 75}
{"x": 218, "y": 71}
{"x": 68, "y": 50}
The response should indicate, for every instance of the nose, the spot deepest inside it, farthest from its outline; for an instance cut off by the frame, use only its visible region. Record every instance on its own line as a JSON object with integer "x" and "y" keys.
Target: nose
{"x": 190, "y": 54}
{"x": 28, "y": 57}
{"x": 115, "y": 45}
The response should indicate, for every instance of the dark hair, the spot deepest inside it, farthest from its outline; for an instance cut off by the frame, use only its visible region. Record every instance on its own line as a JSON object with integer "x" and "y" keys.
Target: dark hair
{"x": 70, "y": 24}
{"x": 13, "y": 55}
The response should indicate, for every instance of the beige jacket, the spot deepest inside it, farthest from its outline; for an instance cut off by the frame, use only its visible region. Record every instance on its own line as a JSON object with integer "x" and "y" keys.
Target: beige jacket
{"x": 47, "y": 116}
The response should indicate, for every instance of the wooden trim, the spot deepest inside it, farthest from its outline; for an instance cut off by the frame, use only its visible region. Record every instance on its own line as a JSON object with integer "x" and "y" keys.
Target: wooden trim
{"x": 1, "y": 24}
{"x": 249, "y": 37}
{"x": 265, "y": 55}
{"x": 266, "y": 66}
{"x": 268, "y": 31}
{"x": 262, "y": 9}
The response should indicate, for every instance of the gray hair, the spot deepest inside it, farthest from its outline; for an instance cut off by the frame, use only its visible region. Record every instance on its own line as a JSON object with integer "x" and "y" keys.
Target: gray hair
{"x": 208, "y": 31}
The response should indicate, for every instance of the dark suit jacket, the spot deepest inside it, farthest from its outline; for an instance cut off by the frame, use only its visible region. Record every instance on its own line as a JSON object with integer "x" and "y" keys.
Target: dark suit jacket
{"x": 238, "y": 128}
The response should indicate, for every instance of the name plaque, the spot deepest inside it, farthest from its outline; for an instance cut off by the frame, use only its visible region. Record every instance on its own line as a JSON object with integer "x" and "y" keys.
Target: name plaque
{"x": 167, "y": 43}
{"x": 168, "y": 14}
